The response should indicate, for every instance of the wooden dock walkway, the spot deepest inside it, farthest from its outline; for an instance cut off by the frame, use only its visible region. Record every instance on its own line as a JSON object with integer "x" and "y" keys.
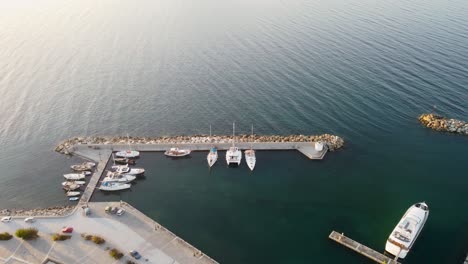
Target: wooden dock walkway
{"x": 361, "y": 249}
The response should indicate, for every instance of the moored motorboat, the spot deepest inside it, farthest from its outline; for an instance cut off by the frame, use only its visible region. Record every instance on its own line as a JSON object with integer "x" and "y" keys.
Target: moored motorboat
{"x": 114, "y": 186}
{"x": 233, "y": 155}
{"x": 212, "y": 156}
{"x": 117, "y": 177}
{"x": 176, "y": 152}
{"x": 406, "y": 232}
{"x": 71, "y": 194}
{"x": 74, "y": 176}
{"x": 75, "y": 182}
{"x": 124, "y": 161}
{"x": 73, "y": 198}
{"x": 80, "y": 167}
{"x": 124, "y": 169}
{"x": 127, "y": 154}
{"x": 70, "y": 186}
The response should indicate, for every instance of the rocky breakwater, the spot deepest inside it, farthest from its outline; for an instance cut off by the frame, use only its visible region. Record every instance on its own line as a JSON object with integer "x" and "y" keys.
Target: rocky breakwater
{"x": 66, "y": 147}
{"x": 440, "y": 123}
{"x": 50, "y": 211}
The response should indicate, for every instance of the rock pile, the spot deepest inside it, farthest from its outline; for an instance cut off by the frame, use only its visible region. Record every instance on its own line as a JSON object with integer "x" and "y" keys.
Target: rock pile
{"x": 333, "y": 142}
{"x": 50, "y": 211}
{"x": 440, "y": 123}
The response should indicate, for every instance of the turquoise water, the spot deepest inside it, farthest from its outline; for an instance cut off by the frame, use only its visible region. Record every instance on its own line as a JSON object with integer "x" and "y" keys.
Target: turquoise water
{"x": 363, "y": 70}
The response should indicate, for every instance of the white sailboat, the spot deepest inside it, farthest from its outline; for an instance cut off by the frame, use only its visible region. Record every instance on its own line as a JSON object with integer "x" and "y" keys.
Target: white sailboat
{"x": 114, "y": 186}
{"x": 250, "y": 156}
{"x": 406, "y": 232}
{"x": 233, "y": 155}
{"x": 117, "y": 177}
{"x": 128, "y": 153}
{"x": 212, "y": 155}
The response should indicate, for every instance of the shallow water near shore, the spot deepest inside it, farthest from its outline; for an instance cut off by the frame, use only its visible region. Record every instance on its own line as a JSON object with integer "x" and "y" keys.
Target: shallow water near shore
{"x": 363, "y": 70}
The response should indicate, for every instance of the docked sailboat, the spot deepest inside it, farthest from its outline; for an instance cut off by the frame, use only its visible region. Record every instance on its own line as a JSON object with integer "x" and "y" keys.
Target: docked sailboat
{"x": 124, "y": 169}
{"x": 114, "y": 186}
{"x": 176, "y": 152}
{"x": 233, "y": 155}
{"x": 70, "y": 186}
{"x": 128, "y": 154}
{"x": 73, "y": 182}
{"x": 212, "y": 155}
{"x": 74, "y": 176}
{"x": 406, "y": 232}
{"x": 250, "y": 158}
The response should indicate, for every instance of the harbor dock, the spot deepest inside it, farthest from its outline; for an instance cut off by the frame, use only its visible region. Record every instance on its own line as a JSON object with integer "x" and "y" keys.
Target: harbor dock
{"x": 306, "y": 148}
{"x": 361, "y": 249}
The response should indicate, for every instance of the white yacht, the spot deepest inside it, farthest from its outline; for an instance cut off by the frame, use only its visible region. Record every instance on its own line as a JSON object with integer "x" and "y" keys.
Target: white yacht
{"x": 406, "y": 232}
{"x": 212, "y": 155}
{"x": 176, "y": 152}
{"x": 114, "y": 186}
{"x": 124, "y": 169}
{"x": 117, "y": 177}
{"x": 233, "y": 155}
{"x": 74, "y": 176}
{"x": 250, "y": 156}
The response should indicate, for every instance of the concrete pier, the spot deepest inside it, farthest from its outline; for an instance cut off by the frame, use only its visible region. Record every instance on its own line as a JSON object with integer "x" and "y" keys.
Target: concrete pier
{"x": 361, "y": 249}
{"x": 306, "y": 148}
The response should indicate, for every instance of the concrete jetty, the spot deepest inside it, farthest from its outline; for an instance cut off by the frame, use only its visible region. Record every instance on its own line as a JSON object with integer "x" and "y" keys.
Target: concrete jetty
{"x": 131, "y": 231}
{"x": 361, "y": 249}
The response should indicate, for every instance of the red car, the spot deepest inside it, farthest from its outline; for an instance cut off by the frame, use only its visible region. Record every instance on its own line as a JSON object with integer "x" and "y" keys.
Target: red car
{"x": 67, "y": 230}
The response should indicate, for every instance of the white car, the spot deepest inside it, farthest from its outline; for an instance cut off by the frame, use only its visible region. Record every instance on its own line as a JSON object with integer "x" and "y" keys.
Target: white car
{"x": 29, "y": 220}
{"x": 6, "y": 219}
{"x": 120, "y": 212}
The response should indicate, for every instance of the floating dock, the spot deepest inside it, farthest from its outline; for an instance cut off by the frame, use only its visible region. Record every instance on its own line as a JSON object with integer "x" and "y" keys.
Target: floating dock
{"x": 361, "y": 249}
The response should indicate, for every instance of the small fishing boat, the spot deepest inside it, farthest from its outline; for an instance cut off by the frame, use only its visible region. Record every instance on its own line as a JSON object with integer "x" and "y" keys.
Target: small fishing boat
{"x": 406, "y": 232}
{"x": 73, "y": 198}
{"x": 74, "y": 176}
{"x": 250, "y": 156}
{"x": 71, "y": 194}
{"x": 124, "y": 169}
{"x": 176, "y": 152}
{"x": 124, "y": 161}
{"x": 114, "y": 186}
{"x": 81, "y": 167}
{"x": 233, "y": 155}
{"x": 70, "y": 186}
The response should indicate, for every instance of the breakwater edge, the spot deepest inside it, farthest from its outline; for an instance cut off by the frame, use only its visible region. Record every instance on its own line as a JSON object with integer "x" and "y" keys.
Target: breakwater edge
{"x": 333, "y": 142}
{"x": 443, "y": 124}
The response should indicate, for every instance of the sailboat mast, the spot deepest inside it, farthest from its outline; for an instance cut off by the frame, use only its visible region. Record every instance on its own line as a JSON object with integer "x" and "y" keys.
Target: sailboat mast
{"x": 251, "y": 140}
{"x": 233, "y": 133}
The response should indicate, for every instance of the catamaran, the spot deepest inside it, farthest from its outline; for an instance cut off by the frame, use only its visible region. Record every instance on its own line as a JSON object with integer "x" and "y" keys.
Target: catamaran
{"x": 250, "y": 156}
{"x": 128, "y": 153}
{"x": 406, "y": 232}
{"x": 114, "y": 186}
{"x": 176, "y": 152}
{"x": 212, "y": 155}
{"x": 233, "y": 155}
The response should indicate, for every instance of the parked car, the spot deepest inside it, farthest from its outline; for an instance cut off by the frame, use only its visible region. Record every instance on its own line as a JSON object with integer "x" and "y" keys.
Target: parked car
{"x": 120, "y": 212}
{"x": 6, "y": 219}
{"x": 29, "y": 220}
{"x": 68, "y": 229}
{"x": 135, "y": 254}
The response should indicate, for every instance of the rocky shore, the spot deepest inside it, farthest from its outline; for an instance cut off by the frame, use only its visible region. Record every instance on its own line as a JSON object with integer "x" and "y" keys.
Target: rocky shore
{"x": 333, "y": 142}
{"x": 50, "y": 211}
{"x": 440, "y": 123}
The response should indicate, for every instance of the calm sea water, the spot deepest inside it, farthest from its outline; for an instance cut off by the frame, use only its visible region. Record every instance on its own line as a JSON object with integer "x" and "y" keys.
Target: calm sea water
{"x": 361, "y": 69}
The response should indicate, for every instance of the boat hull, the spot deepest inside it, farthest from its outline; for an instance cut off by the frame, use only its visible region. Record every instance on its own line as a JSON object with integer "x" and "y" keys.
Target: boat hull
{"x": 128, "y": 154}
{"x": 212, "y": 158}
